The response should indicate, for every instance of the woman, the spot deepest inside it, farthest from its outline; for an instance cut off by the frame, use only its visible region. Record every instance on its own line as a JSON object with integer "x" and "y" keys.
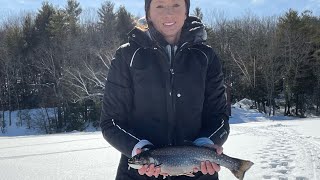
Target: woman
{"x": 165, "y": 88}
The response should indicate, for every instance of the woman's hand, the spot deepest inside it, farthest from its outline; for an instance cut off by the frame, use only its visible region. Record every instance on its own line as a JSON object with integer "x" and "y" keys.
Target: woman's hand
{"x": 150, "y": 170}
{"x": 208, "y": 167}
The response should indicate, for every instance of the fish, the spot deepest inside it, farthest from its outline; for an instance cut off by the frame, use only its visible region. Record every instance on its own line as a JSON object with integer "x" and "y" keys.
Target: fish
{"x": 181, "y": 160}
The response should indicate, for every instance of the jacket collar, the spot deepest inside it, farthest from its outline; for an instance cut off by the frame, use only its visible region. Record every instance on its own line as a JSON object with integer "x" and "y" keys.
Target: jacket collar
{"x": 193, "y": 32}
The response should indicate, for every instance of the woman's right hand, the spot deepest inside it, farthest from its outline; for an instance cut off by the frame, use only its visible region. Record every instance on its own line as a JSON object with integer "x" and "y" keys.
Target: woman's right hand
{"x": 150, "y": 170}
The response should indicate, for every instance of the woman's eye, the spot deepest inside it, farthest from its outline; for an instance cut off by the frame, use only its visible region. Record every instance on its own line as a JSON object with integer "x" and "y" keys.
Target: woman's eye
{"x": 159, "y": 6}
{"x": 176, "y": 5}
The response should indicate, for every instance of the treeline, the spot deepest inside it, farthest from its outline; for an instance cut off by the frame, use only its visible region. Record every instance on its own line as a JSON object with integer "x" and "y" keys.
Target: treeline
{"x": 59, "y": 58}
{"x": 49, "y": 59}
{"x": 274, "y": 61}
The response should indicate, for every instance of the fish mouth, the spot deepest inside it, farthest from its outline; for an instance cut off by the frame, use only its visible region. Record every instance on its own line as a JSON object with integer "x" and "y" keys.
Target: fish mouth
{"x": 131, "y": 161}
{"x": 135, "y": 166}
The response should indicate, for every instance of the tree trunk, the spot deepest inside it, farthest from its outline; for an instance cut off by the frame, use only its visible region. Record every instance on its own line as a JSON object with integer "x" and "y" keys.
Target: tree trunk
{"x": 45, "y": 126}
{"x": 9, "y": 102}
{"x": 297, "y": 105}
{"x": 60, "y": 117}
{"x": 10, "y": 120}
{"x": 273, "y": 108}
{"x": 288, "y": 110}
{"x": 48, "y": 117}
{"x": 229, "y": 98}
{"x": 285, "y": 109}
{"x": 86, "y": 112}
{"x": 3, "y": 119}
{"x": 20, "y": 118}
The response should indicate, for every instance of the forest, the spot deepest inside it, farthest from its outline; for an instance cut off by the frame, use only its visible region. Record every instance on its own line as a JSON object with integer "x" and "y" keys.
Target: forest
{"x": 58, "y": 58}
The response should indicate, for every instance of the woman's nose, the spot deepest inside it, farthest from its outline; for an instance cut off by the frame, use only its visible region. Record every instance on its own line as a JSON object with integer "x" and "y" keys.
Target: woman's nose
{"x": 169, "y": 10}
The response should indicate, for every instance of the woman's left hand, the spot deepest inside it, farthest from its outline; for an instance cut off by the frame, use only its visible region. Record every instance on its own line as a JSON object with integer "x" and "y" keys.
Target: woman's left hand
{"x": 208, "y": 167}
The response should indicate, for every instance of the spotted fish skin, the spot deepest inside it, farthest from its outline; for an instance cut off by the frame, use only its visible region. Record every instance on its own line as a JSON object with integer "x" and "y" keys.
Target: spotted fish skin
{"x": 181, "y": 160}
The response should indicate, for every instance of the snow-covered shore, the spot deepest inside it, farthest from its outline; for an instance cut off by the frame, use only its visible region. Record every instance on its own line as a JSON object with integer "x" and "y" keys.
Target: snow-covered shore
{"x": 281, "y": 148}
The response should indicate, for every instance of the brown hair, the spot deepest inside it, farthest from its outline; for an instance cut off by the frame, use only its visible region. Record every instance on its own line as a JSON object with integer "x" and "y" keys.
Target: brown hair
{"x": 142, "y": 24}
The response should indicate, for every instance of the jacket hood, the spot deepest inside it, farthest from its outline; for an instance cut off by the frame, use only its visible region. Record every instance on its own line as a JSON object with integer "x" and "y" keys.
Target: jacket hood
{"x": 193, "y": 32}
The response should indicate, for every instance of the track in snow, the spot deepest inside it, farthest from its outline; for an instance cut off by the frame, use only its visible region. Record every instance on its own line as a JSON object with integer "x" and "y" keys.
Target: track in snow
{"x": 288, "y": 155}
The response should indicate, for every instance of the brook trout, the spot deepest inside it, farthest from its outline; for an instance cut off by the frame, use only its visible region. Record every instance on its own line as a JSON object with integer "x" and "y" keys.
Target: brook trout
{"x": 181, "y": 160}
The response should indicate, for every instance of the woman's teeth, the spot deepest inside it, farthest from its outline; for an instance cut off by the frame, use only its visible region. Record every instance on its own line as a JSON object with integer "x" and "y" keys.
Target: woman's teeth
{"x": 169, "y": 24}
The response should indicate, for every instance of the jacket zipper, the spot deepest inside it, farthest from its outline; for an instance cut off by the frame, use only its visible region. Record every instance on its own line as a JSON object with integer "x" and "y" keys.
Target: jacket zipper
{"x": 173, "y": 52}
{"x": 172, "y": 57}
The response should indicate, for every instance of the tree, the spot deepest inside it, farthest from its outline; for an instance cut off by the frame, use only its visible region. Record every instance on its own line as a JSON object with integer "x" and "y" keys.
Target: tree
{"x": 42, "y": 23}
{"x": 11, "y": 63}
{"x": 72, "y": 10}
{"x": 198, "y": 13}
{"x": 107, "y": 16}
{"x": 124, "y": 23}
{"x": 58, "y": 26}
{"x": 107, "y": 20}
{"x": 295, "y": 45}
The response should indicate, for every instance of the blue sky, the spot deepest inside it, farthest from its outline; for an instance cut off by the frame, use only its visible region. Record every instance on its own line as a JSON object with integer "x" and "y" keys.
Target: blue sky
{"x": 230, "y": 8}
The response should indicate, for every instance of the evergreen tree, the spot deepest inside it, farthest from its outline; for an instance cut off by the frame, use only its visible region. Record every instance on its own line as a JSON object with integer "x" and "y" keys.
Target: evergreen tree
{"x": 73, "y": 11}
{"x": 198, "y": 13}
{"x": 57, "y": 26}
{"x": 124, "y": 23}
{"x": 28, "y": 33}
{"x": 107, "y": 16}
{"x": 42, "y": 22}
{"x": 295, "y": 42}
{"x": 107, "y": 19}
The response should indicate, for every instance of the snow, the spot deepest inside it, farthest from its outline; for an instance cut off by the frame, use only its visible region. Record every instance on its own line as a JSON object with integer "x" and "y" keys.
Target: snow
{"x": 38, "y": 115}
{"x": 282, "y": 149}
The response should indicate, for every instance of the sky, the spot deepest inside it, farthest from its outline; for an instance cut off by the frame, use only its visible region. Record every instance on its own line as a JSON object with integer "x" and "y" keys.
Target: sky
{"x": 281, "y": 149}
{"x": 229, "y": 8}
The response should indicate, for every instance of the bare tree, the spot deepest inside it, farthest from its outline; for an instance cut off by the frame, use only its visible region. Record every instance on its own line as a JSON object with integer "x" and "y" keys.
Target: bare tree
{"x": 88, "y": 81}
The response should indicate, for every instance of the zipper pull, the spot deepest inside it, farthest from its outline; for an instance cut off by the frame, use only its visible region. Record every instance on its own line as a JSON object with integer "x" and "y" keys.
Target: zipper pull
{"x": 172, "y": 72}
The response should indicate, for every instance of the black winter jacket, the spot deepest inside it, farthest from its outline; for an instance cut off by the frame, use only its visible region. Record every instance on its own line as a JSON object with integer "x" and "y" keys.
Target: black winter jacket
{"x": 167, "y": 95}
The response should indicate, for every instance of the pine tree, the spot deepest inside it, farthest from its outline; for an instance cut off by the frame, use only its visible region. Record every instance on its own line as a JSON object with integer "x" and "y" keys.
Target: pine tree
{"x": 124, "y": 23}
{"x": 107, "y": 16}
{"x": 73, "y": 11}
{"x": 58, "y": 27}
{"x": 107, "y": 19}
{"x": 198, "y": 13}
{"x": 28, "y": 32}
{"x": 42, "y": 22}
{"x": 295, "y": 43}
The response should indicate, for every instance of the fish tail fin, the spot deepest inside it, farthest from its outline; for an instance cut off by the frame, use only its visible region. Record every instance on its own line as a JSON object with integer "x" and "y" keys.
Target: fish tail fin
{"x": 244, "y": 167}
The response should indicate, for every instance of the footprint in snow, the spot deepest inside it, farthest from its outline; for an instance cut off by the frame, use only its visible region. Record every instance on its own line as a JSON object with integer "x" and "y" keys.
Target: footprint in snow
{"x": 283, "y": 178}
{"x": 284, "y": 163}
{"x": 283, "y": 171}
{"x": 267, "y": 176}
{"x": 301, "y": 178}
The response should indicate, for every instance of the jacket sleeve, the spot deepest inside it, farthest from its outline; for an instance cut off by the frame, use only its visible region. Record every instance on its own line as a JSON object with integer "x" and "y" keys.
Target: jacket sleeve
{"x": 116, "y": 107}
{"x": 215, "y": 121}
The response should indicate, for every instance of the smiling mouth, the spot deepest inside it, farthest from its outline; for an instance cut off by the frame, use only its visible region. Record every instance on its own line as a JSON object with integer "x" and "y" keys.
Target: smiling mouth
{"x": 169, "y": 23}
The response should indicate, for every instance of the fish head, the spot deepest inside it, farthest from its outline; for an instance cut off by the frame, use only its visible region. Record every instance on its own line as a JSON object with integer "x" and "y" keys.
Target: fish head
{"x": 139, "y": 160}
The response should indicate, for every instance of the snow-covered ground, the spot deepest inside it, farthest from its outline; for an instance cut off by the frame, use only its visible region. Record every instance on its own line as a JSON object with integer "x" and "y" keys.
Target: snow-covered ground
{"x": 281, "y": 148}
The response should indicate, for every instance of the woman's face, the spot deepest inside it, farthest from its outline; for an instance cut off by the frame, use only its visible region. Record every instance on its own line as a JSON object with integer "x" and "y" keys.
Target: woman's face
{"x": 168, "y": 17}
